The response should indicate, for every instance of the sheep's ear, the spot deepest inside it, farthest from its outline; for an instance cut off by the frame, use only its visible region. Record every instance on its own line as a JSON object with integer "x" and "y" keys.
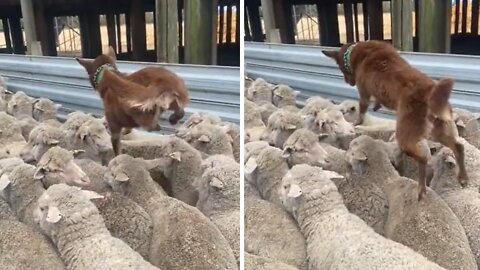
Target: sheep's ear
{"x": 287, "y": 152}
{"x": 176, "y": 155}
{"x": 39, "y": 173}
{"x": 451, "y": 162}
{"x": 4, "y": 182}
{"x": 322, "y": 137}
{"x": 250, "y": 166}
{"x": 290, "y": 127}
{"x": 111, "y": 53}
{"x": 359, "y": 155}
{"x": 92, "y": 194}
{"x": 333, "y": 175}
{"x": 52, "y": 142}
{"x": 216, "y": 183}
{"x": 460, "y": 123}
{"x": 295, "y": 191}
{"x": 78, "y": 152}
{"x": 330, "y": 53}
{"x": 122, "y": 177}
{"x": 204, "y": 138}
{"x": 54, "y": 215}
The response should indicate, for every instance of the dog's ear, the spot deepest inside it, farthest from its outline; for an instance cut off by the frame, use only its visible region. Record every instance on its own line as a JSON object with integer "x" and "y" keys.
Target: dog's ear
{"x": 331, "y": 54}
{"x": 111, "y": 53}
{"x": 87, "y": 64}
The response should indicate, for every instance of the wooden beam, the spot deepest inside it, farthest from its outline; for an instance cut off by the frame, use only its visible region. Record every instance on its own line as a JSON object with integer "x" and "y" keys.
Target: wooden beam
{"x": 328, "y": 23}
{"x": 30, "y": 28}
{"x": 355, "y": 18}
{"x": 464, "y": 16}
{"x": 90, "y": 35}
{"x": 229, "y": 24}
{"x": 268, "y": 19}
{"x": 347, "y": 7}
{"x": 45, "y": 30}
{"x": 17, "y": 35}
{"x": 365, "y": 19}
{"x": 161, "y": 29}
{"x": 237, "y": 23}
{"x": 283, "y": 12}
{"x": 129, "y": 32}
{"x": 221, "y": 25}
{"x": 172, "y": 32}
{"x": 112, "y": 39}
{"x": 6, "y": 32}
{"x": 138, "y": 30}
{"x": 254, "y": 19}
{"x": 246, "y": 28}
{"x": 199, "y": 36}
{"x": 180, "y": 24}
{"x": 119, "y": 33}
{"x": 375, "y": 19}
{"x": 434, "y": 29}
{"x": 475, "y": 11}
{"x": 402, "y": 24}
{"x": 457, "y": 16}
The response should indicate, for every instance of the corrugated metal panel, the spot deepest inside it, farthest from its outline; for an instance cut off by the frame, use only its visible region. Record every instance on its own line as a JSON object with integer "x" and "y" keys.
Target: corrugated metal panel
{"x": 213, "y": 89}
{"x": 305, "y": 68}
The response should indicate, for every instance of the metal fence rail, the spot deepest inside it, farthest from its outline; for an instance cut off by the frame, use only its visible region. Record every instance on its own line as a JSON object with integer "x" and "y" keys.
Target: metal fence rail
{"x": 213, "y": 89}
{"x": 305, "y": 68}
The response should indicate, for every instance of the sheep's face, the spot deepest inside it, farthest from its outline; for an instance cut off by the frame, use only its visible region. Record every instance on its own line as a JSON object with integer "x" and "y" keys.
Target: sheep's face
{"x": 349, "y": 109}
{"x": 95, "y": 136}
{"x": 38, "y": 144}
{"x": 44, "y": 109}
{"x": 445, "y": 166}
{"x": 20, "y": 104}
{"x": 117, "y": 175}
{"x": 356, "y": 155}
{"x": 298, "y": 153}
{"x": 331, "y": 122}
{"x": 259, "y": 91}
{"x": 58, "y": 166}
{"x": 284, "y": 95}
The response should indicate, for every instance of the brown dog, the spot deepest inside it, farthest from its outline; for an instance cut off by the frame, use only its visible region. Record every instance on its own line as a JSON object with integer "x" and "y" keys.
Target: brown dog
{"x": 421, "y": 104}
{"x": 137, "y": 99}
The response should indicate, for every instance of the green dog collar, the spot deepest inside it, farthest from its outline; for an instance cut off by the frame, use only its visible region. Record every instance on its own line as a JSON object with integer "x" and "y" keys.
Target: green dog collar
{"x": 97, "y": 77}
{"x": 346, "y": 58}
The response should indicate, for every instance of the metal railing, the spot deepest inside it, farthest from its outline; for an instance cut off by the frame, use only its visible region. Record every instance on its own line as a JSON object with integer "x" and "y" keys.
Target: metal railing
{"x": 305, "y": 68}
{"x": 212, "y": 89}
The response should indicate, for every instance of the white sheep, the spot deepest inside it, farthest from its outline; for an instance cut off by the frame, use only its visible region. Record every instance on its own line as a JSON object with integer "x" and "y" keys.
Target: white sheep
{"x": 467, "y": 125}
{"x": 284, "y": 96}
{"x": 74, "y": 225}
{"x": 210, "y": 140}
{"x": 27, "y": 124}
{"x": 337, "y": 239}
{"x": 259, "y": 91}
{"x": 20, "y": 104}
{"x": 40, "y": 139}
{"x": 219, "y": 197}
{"x": 253, "y": 124}
{"x": 233, "y": 131}
{"x": 11, "y": 139}
{"x": 253, "y": 262}
{"x": 464, "y": 202}
{"x": 329, "y": 121}
{"x": 429, "y": 226}
{"x": 351, "y": 108}
{"x": 44, "y": 109}
{"x": 315, "y": 104}
{"x": 183, "y": 238}
{"x": 267, "y": 109}
{"x": 175, "y": 160}
{"x": 303, "y": 146}
{"x": 281, "y": 124}
{"x": 252, "y": 149}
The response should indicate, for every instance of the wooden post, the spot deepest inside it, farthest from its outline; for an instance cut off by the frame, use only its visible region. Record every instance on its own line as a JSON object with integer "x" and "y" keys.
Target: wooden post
{"x": 214, "y": 44}
{"x": 6, "y": 32}
{"x": 255, "y": 23}
{"x": 365, "y": 19}
{"x": 402, "y": 24}
{"x": 30, "y": 27}
{"x": 475, "y": 11}
{"x": 17, "y": 35}
{"x": 434, "y": 27}
{"x": 375, "y": 19}
{"x": 172, "y": 31}
{"x": 129, "y": 32}
{"x": 457, "y": 15}
{"x": 119, "y": 33}
{"x": 166, "y": 17}
{"x": 138, "y": 30}
{"x": 45, "y": 30}
{"x": 268, "y": 19}
{"x": 284, "y": 21}
{"x": 464, "y": 16}
{"x": 355, "y": 19}
{"x": 237, "y": 23}
{"x": 221, "y": 24}
{"x": 112, "y": 39}
{"x": 229, "y": 24}
{"x": 347, "y": 7}
{"x": 246, "y": 28}
{"x": 90, "y": 36}
{"x": 199, "y": 25}
{"x": 328, "y": 23}
{"x": 161, "y": 29}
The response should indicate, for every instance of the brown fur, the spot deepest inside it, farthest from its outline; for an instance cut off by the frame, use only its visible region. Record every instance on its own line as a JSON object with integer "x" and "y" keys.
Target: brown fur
{"x": 137, "y": 99}
{"x": 421, "y": 104}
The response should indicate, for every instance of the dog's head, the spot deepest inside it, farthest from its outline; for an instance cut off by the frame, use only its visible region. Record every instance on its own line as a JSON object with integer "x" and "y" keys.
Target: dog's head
{"x": 339, "y": 57}
{"x": 91, "y": 66}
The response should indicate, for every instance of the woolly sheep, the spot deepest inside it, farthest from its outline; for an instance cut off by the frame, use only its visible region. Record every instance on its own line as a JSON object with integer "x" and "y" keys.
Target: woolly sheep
{"x": 73, "y": 223}
{"x": 139, "y": 135}
{"x": 75, "y": 120}
{"x": 11, "y": 139}
{"x": 281, "y": 125}
{"x": 260, "y": 91}
{"x": 252, "y": 149}
{"x": 176, "y": 160}
{"x": 315, "y": 104}
{"x": 272, "y": 233}
{"x": 20, "y": 104}
{"x": 284, "y": 96}
{"x": 253, "y": 262}
{"x": 253, "y": 124}
{"x": 337, "y": 239}
{"x": 267, "y": 109}
{"x": 233, "y": 131}
{"x": 464, "y": 202}
{"x": 219, "y": 197}
{"x": 467, "y": 125}
{"x": 210, "y": 140}
{"x": 265, "y": 172}
{"x": 350, "y": 109}
{"x": 44, "y": 109}
{"x": 173, "y": 220}
{"x": 429, "y": 226}
{"x": 27, "y": 124}
{"x": 303, "y": 146}
{"x": 329, "y": 121}
{"x": 42, "y": 138}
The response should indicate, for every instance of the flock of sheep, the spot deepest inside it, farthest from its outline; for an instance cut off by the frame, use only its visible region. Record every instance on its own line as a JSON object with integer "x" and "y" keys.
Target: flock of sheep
{"x": 321, "y": 193}
{"x": 168, "y": 202}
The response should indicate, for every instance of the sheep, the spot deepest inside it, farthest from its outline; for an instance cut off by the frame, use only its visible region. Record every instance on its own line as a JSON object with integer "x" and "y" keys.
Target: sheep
{"x": 74, "y": 225}
{"x": 233, "y": 131}
{"x": 281, "y": 125}
{"x": 464, "y": 202}
{"x": 183, "y": 238}
{"x": 219, "y": 197}
{"x": 45, "y": 110}
{"x": 27, "y": 124}
{"x": 252, "y": 149}
{"x": 329, "y": 121}
{"x": 11, "y": 139}
{"x": 350, "y": 110}
{"x": 253, "y": 262}
{"x": 139, "y": 135}
{"x": 265, "y": 172}
{"x": 283, "y": 96}
{"x": 178, "y": 162}
{"x": 303, "y": 146}
{"x": 467, "y": 125}
{"x": 313, "y": 105}
{"x": 260, "y": 91}
{"x": 272, "y": 233}
{"x": 428, "y": 226}
{"x": 254, "y": 126}
{"x": 3, "y": 81}
{"x": 337, "y": 239}
{"x": 267, "y": 109}
{"x": 75, "y": 120}
{"x": 20, "y": 104}
{"x": 210, "y": 140}
{"x": 24, "y": 247}
{"x": 40, "y": 139}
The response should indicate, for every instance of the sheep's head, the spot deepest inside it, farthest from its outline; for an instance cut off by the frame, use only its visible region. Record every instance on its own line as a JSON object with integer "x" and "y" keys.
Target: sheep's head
{"x": 8, "y": 166}
{"x": 204, "y": 135}
{"x": 364, "y": 150}
{"x": 122, "y": 169}
{"x": 444, "y": 170}
{"x": 304, "y": 182}
{"x": 57, "y": 165}
{"x": 349, "y": 109}
{"x": 283, "y": 95}
{"x": 20, "y": 104}
{"x": 331, "y": 121}
{"x": 260, "y": 90}
{"x": 303, "y": 147}
{"x": 465, "y": 121}
{"x": 270, "y": 158}
{"x": 44, "y": 109}
{"x": 95, "y": 136}
{"x": 40, "y": 139}
{"x": 63, "y": 204}
{"x": 281, "y": 124}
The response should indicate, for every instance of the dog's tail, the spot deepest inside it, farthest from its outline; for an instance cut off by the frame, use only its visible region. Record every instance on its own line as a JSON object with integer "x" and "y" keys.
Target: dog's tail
{"x": 438, "y": 103}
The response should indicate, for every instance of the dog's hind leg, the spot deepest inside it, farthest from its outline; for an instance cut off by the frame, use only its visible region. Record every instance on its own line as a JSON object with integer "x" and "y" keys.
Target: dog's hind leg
{"x": 446, "y": 133}
{"x": 115, "y": 138}
{"x": 413, "y": 150}
{"x": 364, "y": 101}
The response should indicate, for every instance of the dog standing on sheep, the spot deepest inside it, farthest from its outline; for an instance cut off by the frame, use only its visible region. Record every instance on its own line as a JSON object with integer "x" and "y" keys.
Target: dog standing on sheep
{"x": 137, "y": 99}
{"x": 421, "y": 104}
